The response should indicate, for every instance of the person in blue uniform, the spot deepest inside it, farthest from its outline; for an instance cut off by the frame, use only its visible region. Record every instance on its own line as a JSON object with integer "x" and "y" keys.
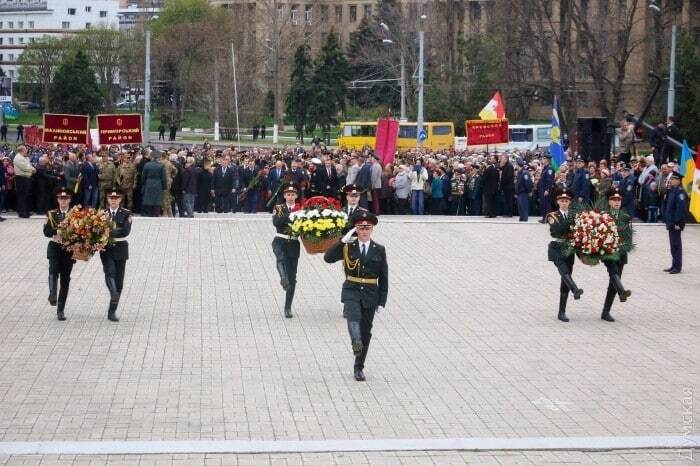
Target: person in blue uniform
{"x": 285, "y": 246}
{"x": 560, "y": 222}
{"x": 523, "y": 189}
{"x": 614, "y": 267}
{"x": 366, "y": 285}
{"x": 115, "y": 255}
{"x": 60, "y": 261}
{"x": 628, "y": 186}
{"x": 675, "y": 212}
{"x": 582, "y": 184}
{"x": 545, "y": 187}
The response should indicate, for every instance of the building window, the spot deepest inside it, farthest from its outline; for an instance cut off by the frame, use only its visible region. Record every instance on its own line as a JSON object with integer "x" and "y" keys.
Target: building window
{"x": 11, "y": 40}
{"x": 20, "y": 25}
{"x": 88, "y": 25}
{"x": 475, "y": 11}
{"x": 0, "y": 24}
{"x": 10, "y": 25}
{"x": 294, "y": 15}
{"x": 31, "y": 39}
{"x": 353, "y": 13}
{"x": 367, "y": 11}
{"x": 339, "y": 13}
{"x": 65, "y": 25}
{"x": 12, "y": 74}
{"x": 31, "y": 25}
{"x": 280, "y": 13}
{"x": 1, "y": 57}
{"x": 103, "y": 14}
{"x": 324, "y": 13}
{"x": 71, "y": 11}
{"x": 88, "y": 9}
{"x": 12, "y": 57}
{"x": 21, "y": 40}
{"x": 308, "y": 16}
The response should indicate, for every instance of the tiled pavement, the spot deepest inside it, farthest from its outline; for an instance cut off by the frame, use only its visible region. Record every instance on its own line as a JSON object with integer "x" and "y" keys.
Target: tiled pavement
{"x": 469, "y": 346}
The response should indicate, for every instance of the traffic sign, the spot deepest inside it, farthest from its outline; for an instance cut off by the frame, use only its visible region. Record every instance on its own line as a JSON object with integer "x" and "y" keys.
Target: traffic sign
{"x": 422, "y": 135}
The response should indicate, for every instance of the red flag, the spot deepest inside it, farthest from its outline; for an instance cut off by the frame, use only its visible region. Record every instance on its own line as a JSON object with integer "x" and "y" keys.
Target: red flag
{"x": 385, "y": 140}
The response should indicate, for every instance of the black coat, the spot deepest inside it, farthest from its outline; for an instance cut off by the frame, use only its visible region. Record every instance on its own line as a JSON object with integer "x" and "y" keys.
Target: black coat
{"x": 559, "y": 230}
{"x": 189, "y": 181}
{"x": 329, "y": 185}
{"x": 489, "y": 180}
{"x": 119, "y": 251}
{"x": 54, "y": 250}
{"x": 280, "y": 219}
{"x": 374, "y": 265}
{"x": 507, "y": 183}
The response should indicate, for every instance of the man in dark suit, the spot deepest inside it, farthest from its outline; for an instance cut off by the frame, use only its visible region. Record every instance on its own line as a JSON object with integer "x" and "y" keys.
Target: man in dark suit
{"x": 275, "y": 178}
{"x": 366, "y": 284}
{"x": 507, "y": 185}
{"x": 223, "y": 184}
{"x": 286, "y": 247}
{"x": 115, "y": 255}
{"x": 328, "y": 179}
{"x": 90, "y": 183}
{"x": 675, "y": 212}
{"x": 60, "y": 260}
{"x": 251, "y": 186}
{"x": 489, "y": 187}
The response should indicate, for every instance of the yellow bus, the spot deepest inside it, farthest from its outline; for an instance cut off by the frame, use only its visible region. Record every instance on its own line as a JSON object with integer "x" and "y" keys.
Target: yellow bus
{"x": 360, "y": 134}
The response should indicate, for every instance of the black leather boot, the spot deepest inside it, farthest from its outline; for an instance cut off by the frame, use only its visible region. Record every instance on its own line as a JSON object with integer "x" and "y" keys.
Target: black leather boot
{"x": 284, "y": 280}
{"x": 288, "y": 298}
{"x": 566, "y": 278}
{"x": 562, "y": 307}
{"x": 53, "y": 288}
{"x": 60, "y": 305}
{"x": 360, "y": 362}
{"x": 621, "y": 291}
{"x": 355, "y": 337}
{"x": 114, "y": 299}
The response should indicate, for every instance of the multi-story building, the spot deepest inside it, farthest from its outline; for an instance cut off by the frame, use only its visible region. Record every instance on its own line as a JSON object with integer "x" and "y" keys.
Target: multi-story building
{"x": 134, "y": 12}
{"x": 23, "y": 21}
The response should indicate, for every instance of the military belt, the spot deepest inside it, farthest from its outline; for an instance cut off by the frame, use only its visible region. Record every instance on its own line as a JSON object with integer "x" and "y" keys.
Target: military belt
{"x": 280, "y": 235}
{"x": 364, "y": 281}
{"x": 119, "y": 239}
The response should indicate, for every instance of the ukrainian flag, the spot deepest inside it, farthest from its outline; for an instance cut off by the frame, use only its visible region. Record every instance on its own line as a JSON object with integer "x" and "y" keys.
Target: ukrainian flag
{"x": 556, "y": 148}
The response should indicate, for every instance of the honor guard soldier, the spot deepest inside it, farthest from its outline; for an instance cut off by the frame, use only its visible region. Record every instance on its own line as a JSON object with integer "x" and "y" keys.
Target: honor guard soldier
{"x": 115, "y": 255}
{"x": 675, "y": 211}
{"x": 286, "y": 247}
{"x": 60, "y": 261}
{"x": 560, "y": 222}
{"x": 615, "y": 196}
{"x": 353, "y": 193}
{"x": 366, "y": 283}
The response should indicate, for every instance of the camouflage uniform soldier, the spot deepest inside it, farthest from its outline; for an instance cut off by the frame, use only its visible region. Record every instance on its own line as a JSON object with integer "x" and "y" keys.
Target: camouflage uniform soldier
{"x": 170, "y": 173}
{"x": 126, "y": 179}
{"x": 105, "y": 177}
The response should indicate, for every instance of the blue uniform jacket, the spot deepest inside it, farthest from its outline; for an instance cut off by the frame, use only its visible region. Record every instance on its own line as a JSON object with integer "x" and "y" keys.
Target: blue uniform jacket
{"x": 582, "y": 185}
{"x": 524, "y": 183}
{"x": 676, "y": 208}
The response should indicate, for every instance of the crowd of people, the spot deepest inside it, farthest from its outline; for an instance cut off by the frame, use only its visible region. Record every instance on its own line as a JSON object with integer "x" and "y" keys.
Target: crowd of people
{"x": 181, "y": 182}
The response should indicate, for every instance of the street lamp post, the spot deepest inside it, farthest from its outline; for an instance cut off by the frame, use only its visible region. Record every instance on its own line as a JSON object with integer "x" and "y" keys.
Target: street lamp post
{"x": 421, "y": 42}
{"x": 671, "y": 103}
{"x": 403, "y": 72}
{"x": 147, "y": 91}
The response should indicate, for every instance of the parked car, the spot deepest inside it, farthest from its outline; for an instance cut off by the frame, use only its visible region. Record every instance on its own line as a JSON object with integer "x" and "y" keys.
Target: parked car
{"x": 27, "y": 105}
{"x": 125, "y": 104}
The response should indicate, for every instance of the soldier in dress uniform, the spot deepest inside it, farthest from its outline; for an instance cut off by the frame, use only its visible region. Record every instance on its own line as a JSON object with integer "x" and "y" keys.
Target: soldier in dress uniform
{"x": 614, "y": 267}
{"x": 523, "y": 190}
{"x": 105, "y": 176}
{"x": 675, "y": 212}
{"x": 560, "y": 222}
{"x": 115, "y": 255}
{"x": 366, "y": 283}
{"x": 286, "y": 247}
{"x": 353, "y": 193}
{"x": 60, "y": 261}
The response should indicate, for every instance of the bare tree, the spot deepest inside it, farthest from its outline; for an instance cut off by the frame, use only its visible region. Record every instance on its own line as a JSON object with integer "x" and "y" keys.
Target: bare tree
{"x": 38, "y": 63}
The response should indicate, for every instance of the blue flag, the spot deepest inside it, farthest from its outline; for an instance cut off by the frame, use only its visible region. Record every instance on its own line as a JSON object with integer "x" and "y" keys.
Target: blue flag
{"x": 556, "y": 148}
{"x": 685, "y": 156}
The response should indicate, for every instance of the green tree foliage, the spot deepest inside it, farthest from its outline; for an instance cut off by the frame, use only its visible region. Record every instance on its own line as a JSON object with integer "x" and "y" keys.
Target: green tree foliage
{"x": 74, "y": 88}
{"x": 687, "y": 108}
{"x": 301, "y": 93}
{"x": 329, "y": 84}
{"x": 38, "y": 63}
{"x": 181, "y": 12}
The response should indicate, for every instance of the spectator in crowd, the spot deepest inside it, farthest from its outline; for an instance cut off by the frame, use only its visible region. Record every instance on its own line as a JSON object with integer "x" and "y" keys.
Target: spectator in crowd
{"x": 23, "y": 174}
{"x": 90, "y": 182}
{"x": 418, "y": 177}
{"x": 403, "y": 190}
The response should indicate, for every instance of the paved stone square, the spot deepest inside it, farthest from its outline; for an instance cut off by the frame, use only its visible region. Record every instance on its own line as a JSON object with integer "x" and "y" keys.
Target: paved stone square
{"x": 469, "y": 346}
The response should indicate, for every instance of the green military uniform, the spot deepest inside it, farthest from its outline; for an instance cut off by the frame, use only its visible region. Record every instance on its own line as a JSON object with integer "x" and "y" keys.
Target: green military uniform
{"x": 559, "y": 227}
{"x": 614, "y": 267}
{"x": 106, "y": 172}
{"x": 365, "y": 289}
{"x": 126, "y": 180}
{"x": 170, "y": 174}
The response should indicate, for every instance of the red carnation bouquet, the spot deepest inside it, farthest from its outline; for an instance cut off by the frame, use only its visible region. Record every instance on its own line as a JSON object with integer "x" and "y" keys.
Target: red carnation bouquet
{"x": 595, "y": 236}
{"x": 84, "y": 232}
{"x": 319, "y": 223}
